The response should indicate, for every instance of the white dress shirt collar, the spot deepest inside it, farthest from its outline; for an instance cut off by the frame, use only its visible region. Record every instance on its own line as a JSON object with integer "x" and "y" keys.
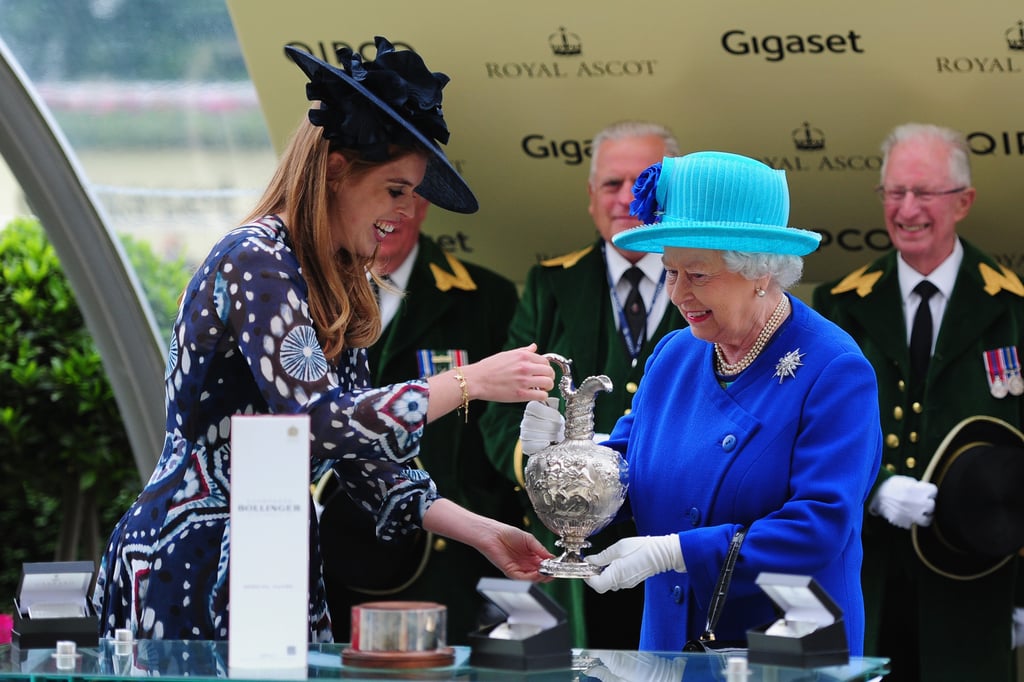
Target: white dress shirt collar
{"x": 390, "y": 302}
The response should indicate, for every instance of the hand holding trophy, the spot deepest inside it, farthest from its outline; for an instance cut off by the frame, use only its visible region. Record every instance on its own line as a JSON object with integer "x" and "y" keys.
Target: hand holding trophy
{"x": 576, "y": 486}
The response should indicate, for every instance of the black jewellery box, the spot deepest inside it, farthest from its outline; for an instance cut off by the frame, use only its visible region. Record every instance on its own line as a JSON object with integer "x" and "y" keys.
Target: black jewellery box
{"x": 810, "y": 634}
{"x": 52, "y": 605}
{"x": 534, "y": 635}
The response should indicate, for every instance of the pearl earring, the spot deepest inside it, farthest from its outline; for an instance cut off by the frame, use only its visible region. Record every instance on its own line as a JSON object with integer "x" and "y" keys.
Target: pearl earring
{"x": 760, "y": 292}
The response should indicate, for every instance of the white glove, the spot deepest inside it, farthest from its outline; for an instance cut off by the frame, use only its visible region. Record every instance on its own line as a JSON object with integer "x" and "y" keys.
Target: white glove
{"x": 542, "y": 425}
{"x": 905, "y": 501}
{"x": 630, "y": 561}
{"x": 1018, "y": 627}
{"x": 600, "y": 438}
{"x": 630, "y": 666}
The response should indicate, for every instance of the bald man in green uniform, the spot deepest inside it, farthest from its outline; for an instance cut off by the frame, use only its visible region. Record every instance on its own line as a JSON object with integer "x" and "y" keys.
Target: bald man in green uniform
{"x": 453, "y": 313}
{"x": 935, "y": 626}
{"x": 570, "y": 307}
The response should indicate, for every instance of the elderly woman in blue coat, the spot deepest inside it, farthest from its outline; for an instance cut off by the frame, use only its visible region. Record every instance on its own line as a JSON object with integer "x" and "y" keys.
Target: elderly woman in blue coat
{"x": 760, "y": 416}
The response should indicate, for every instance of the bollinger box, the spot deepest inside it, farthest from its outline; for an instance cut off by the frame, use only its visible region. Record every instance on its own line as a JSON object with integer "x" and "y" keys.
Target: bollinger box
{"x": 534, "y": 636}
{"x": 52, "y": 604}
{"x": 811, "y": 632}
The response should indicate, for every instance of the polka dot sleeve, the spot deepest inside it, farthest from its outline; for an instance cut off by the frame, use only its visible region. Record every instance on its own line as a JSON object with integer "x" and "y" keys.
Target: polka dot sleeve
{"x": 366, "y": 433}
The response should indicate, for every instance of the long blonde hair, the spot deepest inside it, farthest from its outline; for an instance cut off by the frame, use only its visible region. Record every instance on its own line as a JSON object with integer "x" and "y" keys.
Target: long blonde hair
{"x": 341, "y": 301}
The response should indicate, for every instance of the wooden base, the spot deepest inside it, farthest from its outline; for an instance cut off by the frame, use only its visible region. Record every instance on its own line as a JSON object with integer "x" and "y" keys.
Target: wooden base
{"x": 398, "y": 659}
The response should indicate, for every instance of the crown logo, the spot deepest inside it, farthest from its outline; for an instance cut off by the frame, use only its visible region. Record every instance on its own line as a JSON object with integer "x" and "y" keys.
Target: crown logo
{"x": 1015, "y": 36}
{"x": 808, "y": 139}
{"x": 565, "y": 44}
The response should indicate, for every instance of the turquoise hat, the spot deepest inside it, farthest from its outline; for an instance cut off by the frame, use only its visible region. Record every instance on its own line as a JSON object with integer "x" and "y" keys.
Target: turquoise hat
{"x": 714, "y": 200}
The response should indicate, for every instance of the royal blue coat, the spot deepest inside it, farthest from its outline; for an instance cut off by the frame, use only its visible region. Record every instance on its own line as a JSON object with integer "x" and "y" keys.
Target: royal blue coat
{"x": 791, "y": 458}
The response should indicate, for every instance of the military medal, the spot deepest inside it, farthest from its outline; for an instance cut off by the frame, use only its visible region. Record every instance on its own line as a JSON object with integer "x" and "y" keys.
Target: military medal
{"x": 433, "y": 362}
{"x": 1014, "y": 382}
{"x": 996, "y": 372}
{"x": 999, "y": 389}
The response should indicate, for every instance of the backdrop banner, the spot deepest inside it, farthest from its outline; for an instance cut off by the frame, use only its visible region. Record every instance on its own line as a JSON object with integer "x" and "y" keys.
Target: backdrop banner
{"x": 809, "y": 91}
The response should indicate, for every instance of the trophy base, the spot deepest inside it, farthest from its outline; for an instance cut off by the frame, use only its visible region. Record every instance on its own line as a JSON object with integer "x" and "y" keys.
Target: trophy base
{"x": 569, "y": 565}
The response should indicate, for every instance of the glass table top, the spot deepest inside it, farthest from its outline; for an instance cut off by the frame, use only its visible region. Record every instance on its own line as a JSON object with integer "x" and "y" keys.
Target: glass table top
{"x": 200, "y": 660}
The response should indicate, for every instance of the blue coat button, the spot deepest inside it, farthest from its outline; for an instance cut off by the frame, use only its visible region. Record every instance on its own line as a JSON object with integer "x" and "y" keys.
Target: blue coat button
{"x": 677, "y": 594}
{"x": 694, "y": 516}
{"x": 729, "y": 442}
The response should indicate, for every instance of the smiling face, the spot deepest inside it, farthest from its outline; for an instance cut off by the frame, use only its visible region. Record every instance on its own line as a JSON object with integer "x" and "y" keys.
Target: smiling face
{"x": 720, "y": 306}
{"x": 399, "y": 244}
{"x": 368, "y": 206}
{"x": 924, "y": 232}
{"x": 619, "y": 162}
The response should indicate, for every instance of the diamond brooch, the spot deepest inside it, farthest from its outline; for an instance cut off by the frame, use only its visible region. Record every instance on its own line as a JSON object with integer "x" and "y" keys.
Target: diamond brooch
{"x": 788, "y": 364}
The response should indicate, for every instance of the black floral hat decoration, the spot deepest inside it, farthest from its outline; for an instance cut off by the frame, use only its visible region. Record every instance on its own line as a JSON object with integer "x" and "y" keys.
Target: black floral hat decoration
{"x": 393, "y": 99}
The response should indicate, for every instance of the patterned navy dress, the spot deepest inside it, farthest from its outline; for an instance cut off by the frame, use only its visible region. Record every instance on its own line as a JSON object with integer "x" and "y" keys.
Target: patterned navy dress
{"x": 244, "y": 343}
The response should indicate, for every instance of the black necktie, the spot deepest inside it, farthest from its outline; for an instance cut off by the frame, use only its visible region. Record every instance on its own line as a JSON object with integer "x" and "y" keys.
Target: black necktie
{"x": 636, "y": 313}
{"x": 376, "y": 287}
{"x": 921, "y": 334}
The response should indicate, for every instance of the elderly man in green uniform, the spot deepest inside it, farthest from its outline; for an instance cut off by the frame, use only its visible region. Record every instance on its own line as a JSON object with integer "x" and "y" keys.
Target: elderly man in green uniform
{"x": 452, "y": 313}
{"x": 966, "y": 324}
{"x": 585, "y": 307}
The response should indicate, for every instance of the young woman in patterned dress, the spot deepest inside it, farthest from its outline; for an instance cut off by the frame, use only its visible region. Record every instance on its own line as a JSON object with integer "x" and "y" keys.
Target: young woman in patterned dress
{"x": 276, "y": 321}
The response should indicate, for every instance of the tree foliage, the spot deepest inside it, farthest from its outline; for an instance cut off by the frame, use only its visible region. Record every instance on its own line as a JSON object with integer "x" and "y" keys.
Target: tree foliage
{"x": 66, "y": 467}
{"x": 163, "y": 281}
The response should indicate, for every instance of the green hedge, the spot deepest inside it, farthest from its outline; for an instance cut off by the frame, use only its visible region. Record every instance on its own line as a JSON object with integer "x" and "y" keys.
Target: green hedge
{"x": 66, "y": 468}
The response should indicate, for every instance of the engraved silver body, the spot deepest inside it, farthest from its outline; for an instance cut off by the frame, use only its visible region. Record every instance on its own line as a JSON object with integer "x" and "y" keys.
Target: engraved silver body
{"x": 576, "y": 486}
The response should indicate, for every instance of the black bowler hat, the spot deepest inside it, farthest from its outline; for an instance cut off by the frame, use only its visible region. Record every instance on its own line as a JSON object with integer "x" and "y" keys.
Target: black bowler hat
{"x": 391, "y": 99}
{"x": 978, "y": 524}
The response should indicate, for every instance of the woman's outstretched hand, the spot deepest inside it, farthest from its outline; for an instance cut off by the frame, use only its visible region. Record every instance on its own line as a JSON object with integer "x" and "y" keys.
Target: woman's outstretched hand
{"x": 517, "y": 553}
{"x": 511, "y": 376}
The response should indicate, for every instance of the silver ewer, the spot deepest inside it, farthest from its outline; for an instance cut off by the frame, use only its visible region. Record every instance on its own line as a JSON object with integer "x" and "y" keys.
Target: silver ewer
{"x": 576, "y": 486}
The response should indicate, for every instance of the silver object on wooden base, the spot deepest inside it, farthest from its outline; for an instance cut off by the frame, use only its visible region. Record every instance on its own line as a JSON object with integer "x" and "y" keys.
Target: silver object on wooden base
{"x": 399, "y": 634}
{"x": 576, "y": 486}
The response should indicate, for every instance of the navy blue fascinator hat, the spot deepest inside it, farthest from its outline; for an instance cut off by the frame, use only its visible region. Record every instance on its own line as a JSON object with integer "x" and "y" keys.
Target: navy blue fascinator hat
{"x": 390, "y": 100}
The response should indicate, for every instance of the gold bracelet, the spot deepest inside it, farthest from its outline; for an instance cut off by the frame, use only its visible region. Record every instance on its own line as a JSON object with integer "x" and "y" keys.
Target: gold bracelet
{"x": 465, "y": 392}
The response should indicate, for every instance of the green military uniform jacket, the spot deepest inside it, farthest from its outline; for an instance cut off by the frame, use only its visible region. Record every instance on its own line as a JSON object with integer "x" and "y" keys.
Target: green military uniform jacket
{"x": 449, "y": 305}
{"x": 565, "y": 309}
{"x": 963, "y": 626}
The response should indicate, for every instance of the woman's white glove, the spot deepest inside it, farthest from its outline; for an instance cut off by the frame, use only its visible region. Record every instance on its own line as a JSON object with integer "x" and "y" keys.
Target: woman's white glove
{"x": 904, "y": 501}
{"x": 630, "y": 561}
{"x": 542, "y": 425}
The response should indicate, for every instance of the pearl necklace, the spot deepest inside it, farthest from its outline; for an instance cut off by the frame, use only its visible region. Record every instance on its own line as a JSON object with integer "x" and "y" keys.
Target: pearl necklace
{"x": 769, "y": 328}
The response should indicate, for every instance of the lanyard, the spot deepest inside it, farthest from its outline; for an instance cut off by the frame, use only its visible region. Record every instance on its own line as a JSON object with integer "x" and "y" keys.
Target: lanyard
{"x": 632, "y": 346}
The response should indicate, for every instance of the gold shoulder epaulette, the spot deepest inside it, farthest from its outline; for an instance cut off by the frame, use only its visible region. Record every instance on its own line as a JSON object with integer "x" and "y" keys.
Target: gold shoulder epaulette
{"x": 568, "y": 260}
{"x": 859, "y": 281}
{"x": 458, "y": 278}
{"x": 999, "y": 281}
